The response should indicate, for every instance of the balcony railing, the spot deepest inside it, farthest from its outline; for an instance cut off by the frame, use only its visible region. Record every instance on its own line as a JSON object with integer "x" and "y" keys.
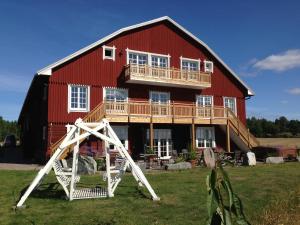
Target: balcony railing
{"x": 172, "y": 110}
{"x": 145, "y": 74}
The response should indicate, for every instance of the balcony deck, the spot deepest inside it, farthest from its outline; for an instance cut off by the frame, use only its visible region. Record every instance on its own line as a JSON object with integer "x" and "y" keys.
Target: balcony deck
{"x": 172, "y": 77}
{"x": 145, "y": 112}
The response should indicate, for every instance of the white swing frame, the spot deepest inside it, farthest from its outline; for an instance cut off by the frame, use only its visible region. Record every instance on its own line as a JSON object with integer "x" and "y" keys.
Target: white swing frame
{"x": 77, "y": 132}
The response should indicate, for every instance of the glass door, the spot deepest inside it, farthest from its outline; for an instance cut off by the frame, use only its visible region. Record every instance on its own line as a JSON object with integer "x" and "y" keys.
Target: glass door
{"x": 162, "y": 142}
{"x": 159, "y": 65}
{"x": 160, "y": 103}
{"x": 204, "y": 105}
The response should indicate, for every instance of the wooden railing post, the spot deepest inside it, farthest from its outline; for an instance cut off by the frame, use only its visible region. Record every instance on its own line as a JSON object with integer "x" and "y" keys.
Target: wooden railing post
{"x": 248, "y": 132}
{"x": 173, "y": 112}
{"x": 228, "y": 136}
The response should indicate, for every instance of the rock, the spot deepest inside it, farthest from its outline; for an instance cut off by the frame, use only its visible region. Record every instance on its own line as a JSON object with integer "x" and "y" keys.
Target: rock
{"x": 298, "y": 158}
{"x": 209, "y": 158}
{"x": 86, "y": 165}
{"x": 274, "y": 160}
{"x": 251, "y": 159}
{"x": 178, "y": 166}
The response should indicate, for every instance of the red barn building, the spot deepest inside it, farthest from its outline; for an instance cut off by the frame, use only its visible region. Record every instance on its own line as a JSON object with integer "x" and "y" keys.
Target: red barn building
{"x": 158, "y": 85}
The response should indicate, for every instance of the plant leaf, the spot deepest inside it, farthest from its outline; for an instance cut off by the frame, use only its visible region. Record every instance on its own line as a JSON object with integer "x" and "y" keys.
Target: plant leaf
{"x": 238, "y": 211}
{"x": 226, "y": 185}
{"x": 227, "y": 217}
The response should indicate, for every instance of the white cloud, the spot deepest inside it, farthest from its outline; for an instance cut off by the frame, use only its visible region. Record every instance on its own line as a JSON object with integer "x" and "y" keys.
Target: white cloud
{"x": 287, "y": 60}
{"x": 294, "y": 91}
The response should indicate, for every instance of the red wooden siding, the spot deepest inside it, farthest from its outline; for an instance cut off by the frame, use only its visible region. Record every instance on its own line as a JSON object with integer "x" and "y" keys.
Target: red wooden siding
{"x": 162, "y": 38}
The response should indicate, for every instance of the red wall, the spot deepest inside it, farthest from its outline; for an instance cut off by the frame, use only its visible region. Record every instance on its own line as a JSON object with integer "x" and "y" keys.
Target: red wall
{"x": 162, "y": 38}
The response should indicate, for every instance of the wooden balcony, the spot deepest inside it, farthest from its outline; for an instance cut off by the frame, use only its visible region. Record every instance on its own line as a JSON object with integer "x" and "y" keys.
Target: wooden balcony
{"x": 145, "y": 112}
{"x": 172, "y": 77}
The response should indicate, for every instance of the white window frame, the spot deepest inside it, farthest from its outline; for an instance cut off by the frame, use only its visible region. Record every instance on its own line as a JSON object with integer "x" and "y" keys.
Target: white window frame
{"x": 159, "y": 92}
{"x": 114, "y": 88}
{"x": 198, "y": 131}
{"x": 113, "y": 49}
{"x": 234, "y": 98}
{"x": 203, "y": 96}
{"x": 189, "y": 60}
{"x": 70, "y": 109}
{"x": 149, "y": 56}
{"x": 212, "y": 66}
{"x": 169, "y": 141}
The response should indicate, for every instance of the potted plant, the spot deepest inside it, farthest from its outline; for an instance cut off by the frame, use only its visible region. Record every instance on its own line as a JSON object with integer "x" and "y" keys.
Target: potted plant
{"x": 192, "y": 157}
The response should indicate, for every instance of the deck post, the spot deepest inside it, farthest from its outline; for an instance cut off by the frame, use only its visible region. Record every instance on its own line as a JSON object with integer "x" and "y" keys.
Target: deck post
{"x": 151, "y": 135}
{"x": 227, "y": 136}
{"x": 193, "y": 135}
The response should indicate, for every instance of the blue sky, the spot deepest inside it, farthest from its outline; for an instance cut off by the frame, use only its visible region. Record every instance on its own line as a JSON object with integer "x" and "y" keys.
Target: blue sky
{"x": 259, "y": 40}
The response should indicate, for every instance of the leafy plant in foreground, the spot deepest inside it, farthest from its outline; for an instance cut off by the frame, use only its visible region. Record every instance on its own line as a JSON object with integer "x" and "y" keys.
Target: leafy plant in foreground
{"x": 223, "y": 205}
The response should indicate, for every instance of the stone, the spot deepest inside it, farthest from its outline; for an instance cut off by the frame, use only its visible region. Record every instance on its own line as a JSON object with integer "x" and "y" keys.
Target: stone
{"x": 274, "y": 160}
{"x": 178, "y": 166}
{"x": 251, "y": 159}
{"x": 209, "y": 158}
{"x": 86, "y": 165}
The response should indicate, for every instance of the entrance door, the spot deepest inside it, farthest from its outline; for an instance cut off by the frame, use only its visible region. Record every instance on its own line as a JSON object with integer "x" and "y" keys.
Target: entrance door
{"x": 162, "y": 142}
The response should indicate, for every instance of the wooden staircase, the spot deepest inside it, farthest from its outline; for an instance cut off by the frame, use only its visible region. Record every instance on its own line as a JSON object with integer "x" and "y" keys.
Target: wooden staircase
{"x": 93, "y": 116}
{"x": 241, "y": 130}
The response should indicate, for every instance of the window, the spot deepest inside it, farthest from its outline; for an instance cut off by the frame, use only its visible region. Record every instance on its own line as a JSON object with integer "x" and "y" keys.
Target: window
{"x": 137, "y": 58}
{"x": 208, "y": 66}
{"x": 162, "y": 141}
{"x": 147, "y": 58}
{"x": 122, "y": 133}
{"x": 190, "y": 64}
{"x": 78, "y": 98}
{"x": 115, "y": 95}
{"x": 158, "y": 61}
{"x": 205, "y": 137}
{"x": 204, "y": 100}
{"x": 230, "y": 102}
{"x": 109, "y": 52}
{"x": 159, "y": 97}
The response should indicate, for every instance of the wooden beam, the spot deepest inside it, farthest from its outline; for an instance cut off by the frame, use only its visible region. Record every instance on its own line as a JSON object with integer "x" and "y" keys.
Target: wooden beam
{"x": 193, "y": 143}
{"x": 151, "y": 135}
{"x": 227, "y": 137}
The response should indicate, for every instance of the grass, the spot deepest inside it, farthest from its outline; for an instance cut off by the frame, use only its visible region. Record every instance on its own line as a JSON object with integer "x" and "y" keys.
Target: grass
{"x": 289, "y": 142}
{"x": 183, "y": 197}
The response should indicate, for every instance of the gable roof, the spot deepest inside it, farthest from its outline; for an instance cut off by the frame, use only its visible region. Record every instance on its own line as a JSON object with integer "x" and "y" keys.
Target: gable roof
{"x": 48, "y": 69}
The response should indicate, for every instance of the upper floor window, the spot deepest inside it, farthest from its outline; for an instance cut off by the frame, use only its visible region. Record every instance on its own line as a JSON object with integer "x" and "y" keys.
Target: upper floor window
{"x": 208, "y": 66}
{"x": 115, "y": 95}
{"x": 159, "y": 61}
{"x": 78, "y": 98}
{"x": 204, "y": 100}
{"x": 159, "y": 97}
{"x": 230, "y": 102}
{"x": 190, "y": 64}
{"x": 147, "y": 58}
{"x": 109, "y": 52}
{"x": 137, "y": 58}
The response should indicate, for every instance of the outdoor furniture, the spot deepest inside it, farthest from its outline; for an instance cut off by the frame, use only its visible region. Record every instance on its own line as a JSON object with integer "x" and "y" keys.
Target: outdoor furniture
{"x": 68, "y": 179}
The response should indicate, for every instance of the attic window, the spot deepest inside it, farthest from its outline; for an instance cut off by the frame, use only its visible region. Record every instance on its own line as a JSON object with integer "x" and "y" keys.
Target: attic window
{"x": 208, "y": 66}
{"x": 109, "y": 52}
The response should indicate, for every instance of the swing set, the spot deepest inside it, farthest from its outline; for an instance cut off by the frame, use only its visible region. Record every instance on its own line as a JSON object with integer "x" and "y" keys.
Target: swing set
{"x": 68, "y": 177}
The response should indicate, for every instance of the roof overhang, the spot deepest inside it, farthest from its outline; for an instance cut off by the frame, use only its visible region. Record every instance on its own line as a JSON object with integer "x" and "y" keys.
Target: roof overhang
{"x": 48, "y": 70}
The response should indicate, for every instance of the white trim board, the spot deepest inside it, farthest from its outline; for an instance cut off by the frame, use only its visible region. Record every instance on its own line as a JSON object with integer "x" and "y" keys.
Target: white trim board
{"x": 48, "y": 69}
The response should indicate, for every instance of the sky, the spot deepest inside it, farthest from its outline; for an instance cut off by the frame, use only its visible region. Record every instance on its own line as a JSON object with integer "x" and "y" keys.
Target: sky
{"x": 259, "y": 40}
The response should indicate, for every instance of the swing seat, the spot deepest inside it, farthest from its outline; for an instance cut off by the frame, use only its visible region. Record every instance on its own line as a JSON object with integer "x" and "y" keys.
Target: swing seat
{"x": 84, "y": 193}
{"x": 63, "y": 175}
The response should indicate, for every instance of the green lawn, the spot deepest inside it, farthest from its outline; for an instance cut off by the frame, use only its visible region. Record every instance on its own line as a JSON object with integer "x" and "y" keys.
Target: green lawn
{"x": 183, "y": 197}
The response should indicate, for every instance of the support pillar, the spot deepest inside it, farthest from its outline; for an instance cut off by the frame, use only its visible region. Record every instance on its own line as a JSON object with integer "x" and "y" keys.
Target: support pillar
{"x": 151, "y": 135}
{"x": 193, "y": 143}
{"x": 228, "y": 137}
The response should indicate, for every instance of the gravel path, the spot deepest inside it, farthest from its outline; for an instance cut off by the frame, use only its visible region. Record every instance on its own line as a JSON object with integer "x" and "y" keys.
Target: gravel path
{"x": 13, "y": 166}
